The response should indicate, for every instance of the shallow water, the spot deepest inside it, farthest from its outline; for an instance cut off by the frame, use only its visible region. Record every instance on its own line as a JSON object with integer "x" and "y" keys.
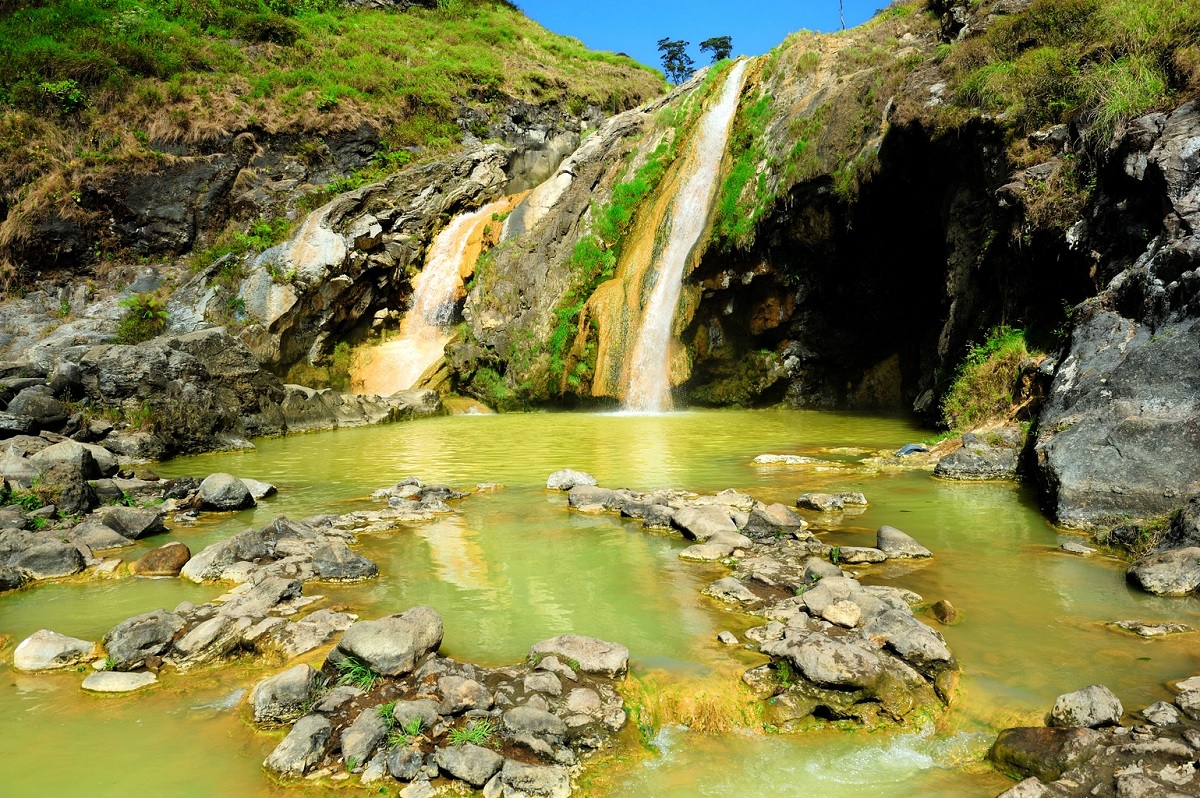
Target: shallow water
{"x": 515, "y": 566}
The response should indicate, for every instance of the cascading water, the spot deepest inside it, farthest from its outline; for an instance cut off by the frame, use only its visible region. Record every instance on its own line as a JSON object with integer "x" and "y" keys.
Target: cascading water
{"x": 400, "y": 364}
{"x": 649, "y": 386}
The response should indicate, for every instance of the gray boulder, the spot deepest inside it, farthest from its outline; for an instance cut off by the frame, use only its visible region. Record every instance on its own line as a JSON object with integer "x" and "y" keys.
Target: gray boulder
{"x": 392, "y": 646}
{"x": 460, "y": 695}
{"x": 899, "y": 546}
{"x": 224, "y": 492}
{"x": 39, "y": 404}
{"x": 259, "y": 490}
{"x": 821, "y": 502}
{"x": 567, "y": 478}
{"x": 404, "y": 764}
{"x": 1044, "y": 752}
{"x": 702, "y": 523}
{"x": 980, "y": 459}
{"x": 45, "y": 650}
{"x": 470, "y": 763}
{"x": 590, "y": 499}
{"x": 827, "y": 661}
{"x": 520, "y": 780}
{"x": 530, "y": 720}
{"x": 97, "y": 536}
{"x": 131, "y": 641}
{"x": 302, "y": 749}
{"x": 1168, "y": 573}
{"x": 1089, "y": 708}
{"x": 593, "y": 656}
{"x": 336, "y": 562}
{"x": 1160, "y": 713}
{"x": 207, "y": 641}
{"x": 407, "y": 713}
{"x": 283, "y": 696}
{"x": 134, "y": 523}
{"x": 70, "y": 454}
{"x": 772, "y": 522}
{"x": 363, "y": 736}
{"x": 49, "y": 560}
{"x": 915, "y": 642}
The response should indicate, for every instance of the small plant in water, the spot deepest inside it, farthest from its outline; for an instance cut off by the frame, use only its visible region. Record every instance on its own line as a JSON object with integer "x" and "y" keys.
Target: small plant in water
{"x": 477, "y": 732}
{"x": 353, "y": 672}
{"x": 110, "y": 664}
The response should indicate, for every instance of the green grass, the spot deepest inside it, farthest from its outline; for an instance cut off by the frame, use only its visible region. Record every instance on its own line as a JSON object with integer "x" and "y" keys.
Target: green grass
{"x": 734, "y": 223}
{"x": 983, "y": 387}
{"x": 355, "y": 673}
{"x": 145, "y": 317}
{"x": 402, "y": 736}
{"x": 1101, "y": 61}
{"x": 477, "y": 732}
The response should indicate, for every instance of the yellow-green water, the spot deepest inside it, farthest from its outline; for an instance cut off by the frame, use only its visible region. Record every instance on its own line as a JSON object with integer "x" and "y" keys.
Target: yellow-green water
{"x": 514, "y": 566}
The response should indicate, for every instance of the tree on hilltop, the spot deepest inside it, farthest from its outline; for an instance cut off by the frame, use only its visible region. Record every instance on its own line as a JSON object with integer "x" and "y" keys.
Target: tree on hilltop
{"x": 677, "y": 64}
{"x": 721, "y": 47}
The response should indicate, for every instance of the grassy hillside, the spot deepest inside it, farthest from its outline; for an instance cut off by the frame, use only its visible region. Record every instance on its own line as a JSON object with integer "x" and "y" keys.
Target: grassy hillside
{"x": 88, "y": 86}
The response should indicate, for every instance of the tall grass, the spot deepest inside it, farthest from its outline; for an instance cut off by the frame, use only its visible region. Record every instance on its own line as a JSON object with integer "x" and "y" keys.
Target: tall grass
{"x": 983, "y": 388}
{"x": 1102, "y": 61}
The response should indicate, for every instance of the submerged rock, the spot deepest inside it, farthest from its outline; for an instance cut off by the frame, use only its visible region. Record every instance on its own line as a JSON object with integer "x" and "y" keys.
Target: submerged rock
{"x": 117, "y": 681}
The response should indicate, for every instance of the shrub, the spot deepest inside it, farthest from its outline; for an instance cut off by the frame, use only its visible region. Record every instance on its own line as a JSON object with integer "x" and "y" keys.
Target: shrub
{"x": 145, "y": 317}
{"x": 983, "y": 388}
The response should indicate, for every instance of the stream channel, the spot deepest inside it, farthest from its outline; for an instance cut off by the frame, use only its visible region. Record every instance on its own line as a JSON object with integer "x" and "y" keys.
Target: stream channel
{"x": 514, "y": 566}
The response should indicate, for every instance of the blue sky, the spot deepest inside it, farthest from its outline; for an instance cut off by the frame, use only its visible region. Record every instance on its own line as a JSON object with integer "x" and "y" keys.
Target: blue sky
{"x": 635, "y": 26}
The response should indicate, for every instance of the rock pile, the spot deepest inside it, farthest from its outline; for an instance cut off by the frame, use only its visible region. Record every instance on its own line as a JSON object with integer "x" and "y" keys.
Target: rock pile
{"x": 1085, "y": 752}
{"x": 387, "y": 707}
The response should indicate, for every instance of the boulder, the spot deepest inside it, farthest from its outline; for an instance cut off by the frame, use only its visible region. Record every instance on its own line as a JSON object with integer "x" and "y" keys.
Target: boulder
{"x": 1189, "y": 702}
{"x": 422, "y": 709}
{"x": 70, "y": 454}
{"x": 131, "y": 641}
{"x": 39, "y": 404}
{"x": 1044, "y": 752}
{"x": 282, "y": 697}
{"x": 49, "y": 560}
{"x": 70, "y": 491}
{"x": 899, "y": 546}
{"x": 336, "y": 562}
{"x": 1168, "y": 573}
{"x": 259, "y": 490}
{"x": 702, "y": 523}
{"x": 731, "y": 590}
{"x": 404, "y": 764}
{"x": 1160, "y": 713}
{"x": 772, "y": 522}
{"x": 45, "y": 650}
{"x": 470, "y": 763}
{"x": 980, "y": 459}
{"x": 10, "y": 578}
{"x": 821, "y": 502}
{"x": 117, "y": 681}
{"x": 207, "y": 641}
{"x": 460, "y": 695}
{"x": 166, "y": 560}
{"x": 530, "y": 720}
{"x": 916, "y": 643}
{"x": 302, "y": 749}
{"x": 593, "y": 656}
{"x": 363, "y": 736}
{"x": 133, "y": 522}
{"x": 224, "y": 492}
{"x": 392, "y": 646}
{"x": 590, "y": 499}
{"x": 1090, "y": 708}
{"x": 566, "y": 479}
{"x": 97, "y": 536}
{"x": 520, "y": 780}
{"x": 827, "y": 661}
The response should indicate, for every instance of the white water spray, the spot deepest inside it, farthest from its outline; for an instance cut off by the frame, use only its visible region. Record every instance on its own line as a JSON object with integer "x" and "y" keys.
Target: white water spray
{"x": 649, "y": 370}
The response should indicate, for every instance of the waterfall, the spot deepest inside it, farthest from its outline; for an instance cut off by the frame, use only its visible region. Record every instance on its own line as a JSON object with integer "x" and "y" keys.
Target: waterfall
{"x": 401, "y": 363}
{"x": 649, "y": 369}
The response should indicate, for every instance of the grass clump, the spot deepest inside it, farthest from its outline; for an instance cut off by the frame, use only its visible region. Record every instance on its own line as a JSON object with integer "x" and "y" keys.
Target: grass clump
{"x": 477, "y": 732}
{"x": 355, "y": 673}
{"x": 1101, "y": 61}
{"x": 145, "y": 317}
{"x": 983, "y": 387}
{"x": 401, "y": 736}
